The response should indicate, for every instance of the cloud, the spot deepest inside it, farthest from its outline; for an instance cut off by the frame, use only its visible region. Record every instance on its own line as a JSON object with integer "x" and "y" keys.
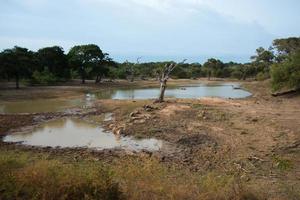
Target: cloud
{"x": 145, "y": 27}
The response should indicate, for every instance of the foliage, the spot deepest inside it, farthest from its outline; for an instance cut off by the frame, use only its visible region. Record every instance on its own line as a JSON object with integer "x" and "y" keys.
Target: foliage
{"x": 53, "y": 60}
{"x": 17, "y": 62}
{"x": 85, "y": 59}
{"x": 45, "y": 77}
{"x": 287, "y": 73}
{"x": 286, "y": 46}
{"x": 49, "y": 65}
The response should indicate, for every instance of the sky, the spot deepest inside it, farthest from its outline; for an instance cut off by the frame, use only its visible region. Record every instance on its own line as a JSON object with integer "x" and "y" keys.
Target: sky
{"x": 156, "y": 30}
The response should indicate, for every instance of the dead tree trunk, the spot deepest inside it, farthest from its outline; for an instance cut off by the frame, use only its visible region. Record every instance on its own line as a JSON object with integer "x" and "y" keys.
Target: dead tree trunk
{"x": 163, "y": 86}
{"x": 132, "y": 70}
{"x": 165, "y": 74}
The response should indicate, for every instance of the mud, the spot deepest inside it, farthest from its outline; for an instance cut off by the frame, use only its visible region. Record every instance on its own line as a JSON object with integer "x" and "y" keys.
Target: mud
{"x": 253, "y": 136}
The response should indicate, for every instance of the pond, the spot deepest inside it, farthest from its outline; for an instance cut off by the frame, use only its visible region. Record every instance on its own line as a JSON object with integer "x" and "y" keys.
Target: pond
{"x": 184, "y": 92}
{"x": 72, "y": 132}
{"x": 229, "y": 90}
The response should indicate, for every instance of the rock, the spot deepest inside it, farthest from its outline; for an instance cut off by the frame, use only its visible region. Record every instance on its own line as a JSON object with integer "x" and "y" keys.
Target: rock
{"x": 149, "y": 108}
{"x": 254, "y": 120}
{"x": 141, "y": 121}
{"x": 244, "y": 133}
{"x": 135, "y": 113}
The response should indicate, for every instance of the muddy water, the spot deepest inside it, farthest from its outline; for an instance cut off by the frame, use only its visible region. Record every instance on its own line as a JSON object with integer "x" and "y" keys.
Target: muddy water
{"x": 87, "y": 100}
{"x": 71, "y": 132}
{"x": 188, "y": 92}
{"x": 39, "y": 105}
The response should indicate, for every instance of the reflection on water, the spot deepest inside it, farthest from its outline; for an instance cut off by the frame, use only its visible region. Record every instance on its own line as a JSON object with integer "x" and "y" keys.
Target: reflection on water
{"x": 192, "y": 91}
{"x": 188, "y": 92}
{"x": 77, "y": 133}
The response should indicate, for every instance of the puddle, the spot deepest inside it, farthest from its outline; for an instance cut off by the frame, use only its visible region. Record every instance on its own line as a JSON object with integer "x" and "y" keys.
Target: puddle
{"x": 71, "y": 132}
{"x": 184, "y": 92}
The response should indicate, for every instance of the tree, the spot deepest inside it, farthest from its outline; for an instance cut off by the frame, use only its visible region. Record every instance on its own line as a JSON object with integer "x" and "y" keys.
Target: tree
{"x": 263, "y": 56}
{"x": 102, "y": 68}
{"x": 287, "y": 73}
{"x": 213, "y": 67}
{"x": 261, "y": 62}
{"x": 84, "y": 58}
{"x": 164, "y": 76}
{"x": 17, "y": 62}
{"x": 53, "y": 60}
{"x": 131, "y": 68}
{"x": 286, "y": 46}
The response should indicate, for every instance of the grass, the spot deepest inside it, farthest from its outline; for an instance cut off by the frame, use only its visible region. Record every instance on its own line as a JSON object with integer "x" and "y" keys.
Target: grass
{"x": 28, "y": 175}
{"x": 282, "y": 163}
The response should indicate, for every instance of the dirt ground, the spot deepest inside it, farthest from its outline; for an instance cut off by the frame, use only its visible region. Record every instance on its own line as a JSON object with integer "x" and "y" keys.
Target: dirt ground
{"x": 257, "y": 137}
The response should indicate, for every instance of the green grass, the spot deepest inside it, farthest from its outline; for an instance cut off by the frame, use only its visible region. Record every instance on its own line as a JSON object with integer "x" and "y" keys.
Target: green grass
{"x": 282, "y": 163}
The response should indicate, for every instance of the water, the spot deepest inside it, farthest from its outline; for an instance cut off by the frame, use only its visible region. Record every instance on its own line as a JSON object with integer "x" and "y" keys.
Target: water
{"x": 39, "y": 105}
{"x": 189, "y": 92}
{"x": 185, "y": 92}
{"x": 72, "y": 132}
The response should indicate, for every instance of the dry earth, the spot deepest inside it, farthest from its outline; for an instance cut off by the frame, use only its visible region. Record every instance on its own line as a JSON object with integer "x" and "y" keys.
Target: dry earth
{"x": 257, "y": 137}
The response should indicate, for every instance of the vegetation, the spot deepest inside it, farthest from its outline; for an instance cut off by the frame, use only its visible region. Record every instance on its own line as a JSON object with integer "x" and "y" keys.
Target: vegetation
{"x": 26, "y": 175}
{"x": 51, "y": 65}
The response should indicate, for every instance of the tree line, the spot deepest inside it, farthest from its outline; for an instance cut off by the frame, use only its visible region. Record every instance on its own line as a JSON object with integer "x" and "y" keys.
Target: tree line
{"x": 50, "y": 65}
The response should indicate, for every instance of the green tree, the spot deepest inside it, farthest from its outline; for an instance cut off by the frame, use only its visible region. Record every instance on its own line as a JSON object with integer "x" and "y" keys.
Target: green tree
{"x": 263, "y": 56}
{"x": 84, "y": 58}
{"x": 213, "y": 67}
{"x": 287, "y": 73}
{"x": 17, "y": 62}
{"x": 286, "y": 46}
{"x": 54, "y": 60}
{"x": 102, "y": 68}
{"x": 261, "y": 63}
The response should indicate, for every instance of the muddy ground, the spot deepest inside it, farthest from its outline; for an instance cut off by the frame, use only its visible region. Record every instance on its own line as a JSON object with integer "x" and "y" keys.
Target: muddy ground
{"x": 257, "y": 137}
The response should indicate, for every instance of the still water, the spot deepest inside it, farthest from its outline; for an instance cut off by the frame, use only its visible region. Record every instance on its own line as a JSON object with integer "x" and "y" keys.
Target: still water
{"x": 39, "y": 105}
{"x": 72, "y": 132}
{"x": 189, "y": 92}
{"x": 184, "y": 92}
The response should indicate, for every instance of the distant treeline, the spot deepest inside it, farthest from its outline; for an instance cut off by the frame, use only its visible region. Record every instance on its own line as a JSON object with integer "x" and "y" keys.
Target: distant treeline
{"x": 51, "y": 65}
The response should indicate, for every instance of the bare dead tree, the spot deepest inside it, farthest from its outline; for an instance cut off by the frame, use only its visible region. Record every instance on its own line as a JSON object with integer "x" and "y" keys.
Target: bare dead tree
{"x": 163, "y": 79}
{"x": 131, "y": 69}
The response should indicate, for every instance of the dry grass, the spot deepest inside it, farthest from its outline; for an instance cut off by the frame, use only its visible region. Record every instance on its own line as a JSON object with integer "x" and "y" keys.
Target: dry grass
{"x": 26, "y": 175}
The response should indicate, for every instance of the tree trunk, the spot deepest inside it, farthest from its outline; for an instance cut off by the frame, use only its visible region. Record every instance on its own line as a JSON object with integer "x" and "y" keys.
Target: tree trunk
{"x": 82, "y": 78}
{"x": 163, "y": 86}
{"x": 132, "y": 78}
{"x": 17, "y": 81}
{"x": 98, "y": 78}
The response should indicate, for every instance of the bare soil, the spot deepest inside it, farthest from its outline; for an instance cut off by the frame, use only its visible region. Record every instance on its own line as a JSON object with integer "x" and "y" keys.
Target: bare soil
{"x": 257, "y": 137}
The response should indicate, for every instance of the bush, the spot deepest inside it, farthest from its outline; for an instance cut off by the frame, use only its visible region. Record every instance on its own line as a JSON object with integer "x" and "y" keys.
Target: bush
{"x": 286, "y": 75}
{"x": 261, "y": 76}
{"x": 45, "y": 77}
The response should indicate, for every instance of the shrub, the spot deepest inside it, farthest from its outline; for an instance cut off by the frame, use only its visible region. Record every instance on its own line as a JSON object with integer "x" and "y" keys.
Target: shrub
{"x": 261, "y": 76}
{"x": 45, "y": 77}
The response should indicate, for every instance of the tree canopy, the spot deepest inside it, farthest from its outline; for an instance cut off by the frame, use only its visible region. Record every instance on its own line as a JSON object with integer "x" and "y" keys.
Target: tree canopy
{"x": 85, "y": 58}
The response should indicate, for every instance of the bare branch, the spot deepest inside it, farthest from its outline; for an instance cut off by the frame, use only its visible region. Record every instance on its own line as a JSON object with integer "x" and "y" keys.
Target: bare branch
{"x": 138, "y": 60}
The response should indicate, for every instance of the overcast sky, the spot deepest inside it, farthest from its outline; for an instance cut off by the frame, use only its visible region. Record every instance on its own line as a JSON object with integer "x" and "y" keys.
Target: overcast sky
{"x": 154, "y": 29}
